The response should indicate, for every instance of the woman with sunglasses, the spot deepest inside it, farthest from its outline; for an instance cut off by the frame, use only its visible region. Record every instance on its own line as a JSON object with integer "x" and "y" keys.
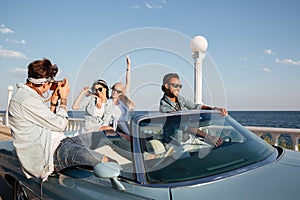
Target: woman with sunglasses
{"x": 122, "y": 103}
{"x": 98, "y": 108}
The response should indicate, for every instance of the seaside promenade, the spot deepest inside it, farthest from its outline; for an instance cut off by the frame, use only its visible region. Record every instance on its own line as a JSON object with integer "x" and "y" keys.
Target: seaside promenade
{"x": 4, "y": 133}
{"x": 5, "y": 190}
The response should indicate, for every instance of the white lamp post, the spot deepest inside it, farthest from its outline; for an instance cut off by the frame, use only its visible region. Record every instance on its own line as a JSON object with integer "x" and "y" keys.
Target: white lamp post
{"x": 198, "y": 46}
{"x": 10, "y": 91}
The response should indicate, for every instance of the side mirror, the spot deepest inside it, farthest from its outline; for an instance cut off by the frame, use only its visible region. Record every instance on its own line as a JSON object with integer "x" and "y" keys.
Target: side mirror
{"x": 109, "y": 170}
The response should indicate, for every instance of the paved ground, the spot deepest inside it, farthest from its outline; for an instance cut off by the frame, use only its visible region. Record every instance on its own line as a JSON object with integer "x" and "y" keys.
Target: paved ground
{"x": 5, "y": 190}
{"x": 4, "y": 133}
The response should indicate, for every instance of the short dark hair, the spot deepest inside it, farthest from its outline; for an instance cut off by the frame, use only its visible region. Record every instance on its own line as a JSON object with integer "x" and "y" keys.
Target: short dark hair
{"x": 42, "y": 69}
{"x": 166, "y": 79}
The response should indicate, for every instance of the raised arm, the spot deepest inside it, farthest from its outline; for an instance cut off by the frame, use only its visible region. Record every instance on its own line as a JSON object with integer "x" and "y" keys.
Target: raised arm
{"x": 127, "y": 86}
{"x": 76, "y": 104}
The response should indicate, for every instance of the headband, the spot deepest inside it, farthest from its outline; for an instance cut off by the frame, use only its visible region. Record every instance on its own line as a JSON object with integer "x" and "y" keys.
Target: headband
{"x": 39, "y": 80}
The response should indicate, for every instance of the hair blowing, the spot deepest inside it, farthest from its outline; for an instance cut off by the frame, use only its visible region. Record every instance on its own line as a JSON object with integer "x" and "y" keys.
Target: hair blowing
{"x": 42, "y": 69}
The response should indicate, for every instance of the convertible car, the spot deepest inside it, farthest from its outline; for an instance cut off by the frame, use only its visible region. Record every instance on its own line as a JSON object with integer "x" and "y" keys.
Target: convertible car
{"x": 171, "y": 156}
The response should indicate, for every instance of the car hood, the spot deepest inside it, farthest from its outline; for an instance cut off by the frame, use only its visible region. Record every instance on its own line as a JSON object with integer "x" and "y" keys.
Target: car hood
{"x": 276, "y": 180}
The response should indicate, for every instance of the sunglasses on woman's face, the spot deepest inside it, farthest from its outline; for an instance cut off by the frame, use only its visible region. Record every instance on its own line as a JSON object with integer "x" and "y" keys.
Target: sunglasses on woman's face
{"x": 117, "y": 91}
{"x": 100, "y": 89}
{"x": 175, "y": 85}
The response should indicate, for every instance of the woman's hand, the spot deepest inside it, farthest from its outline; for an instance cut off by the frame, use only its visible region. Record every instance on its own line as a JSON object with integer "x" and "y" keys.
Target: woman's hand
{"x": 128, "y": 62}
{"x": 108, "y": 130}
{"x": 223, "y": 111}
{"x": 85, "y": 90}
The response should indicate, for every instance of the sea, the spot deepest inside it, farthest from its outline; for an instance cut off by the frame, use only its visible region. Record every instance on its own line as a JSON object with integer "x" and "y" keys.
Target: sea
{"x": 277, "y": 119}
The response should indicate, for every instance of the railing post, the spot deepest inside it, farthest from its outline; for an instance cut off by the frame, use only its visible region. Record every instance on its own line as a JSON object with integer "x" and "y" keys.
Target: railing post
{"x": 295, "y": 139}
{"x": 259, "y": 134}
{"x": 10, "y": 91}
{"x": 75, "y": 124}
{"x": 275, "y": 138}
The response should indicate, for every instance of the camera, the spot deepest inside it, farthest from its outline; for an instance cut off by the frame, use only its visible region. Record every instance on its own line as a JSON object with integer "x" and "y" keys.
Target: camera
{"x": 55, "y": 84}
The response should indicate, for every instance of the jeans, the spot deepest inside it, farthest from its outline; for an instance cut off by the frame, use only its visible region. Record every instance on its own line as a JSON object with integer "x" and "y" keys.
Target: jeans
{"x": 78, "y": 150}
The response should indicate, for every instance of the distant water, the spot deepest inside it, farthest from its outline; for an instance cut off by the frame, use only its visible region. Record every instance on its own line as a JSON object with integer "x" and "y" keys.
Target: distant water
{"x": 278, "y": 119}
{"x": 76, "y": 114}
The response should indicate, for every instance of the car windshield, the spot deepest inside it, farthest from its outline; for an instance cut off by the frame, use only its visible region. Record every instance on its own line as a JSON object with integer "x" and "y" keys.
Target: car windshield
{"x": 183, "y": 147}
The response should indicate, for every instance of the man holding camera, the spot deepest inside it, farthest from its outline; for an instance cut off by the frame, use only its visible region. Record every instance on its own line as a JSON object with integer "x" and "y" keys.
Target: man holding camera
{"x": 37, "y": 131}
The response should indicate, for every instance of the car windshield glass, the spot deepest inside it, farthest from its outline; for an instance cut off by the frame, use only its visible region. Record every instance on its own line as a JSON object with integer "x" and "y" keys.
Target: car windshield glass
{"x": 183, "y": 147}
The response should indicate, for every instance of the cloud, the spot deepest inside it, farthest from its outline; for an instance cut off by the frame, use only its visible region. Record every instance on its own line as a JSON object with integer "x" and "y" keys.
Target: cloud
{"x": 5, "y": 53}
{"x": 244, "y": 58}
{"x": 148, "y": 5}
{"x": 151, "y": 4}
{"x": 135, "y": 6}
{"x": 18, "y": 71}
{"x": 156, "y": 4}
{"x": 5, "y": 30}
{"x": 288, "y": 61}
{"x": 266, "y": 69}
{"x": 16, "y": 41}
{"x": 268, "y": 52}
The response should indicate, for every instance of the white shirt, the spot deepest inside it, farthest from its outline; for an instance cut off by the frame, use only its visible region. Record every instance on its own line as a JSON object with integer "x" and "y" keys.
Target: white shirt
{"x": 99, "y": 111}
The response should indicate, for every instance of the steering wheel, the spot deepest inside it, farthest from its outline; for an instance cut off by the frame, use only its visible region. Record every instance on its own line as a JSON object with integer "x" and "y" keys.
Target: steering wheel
{"x": 226, "y": 139}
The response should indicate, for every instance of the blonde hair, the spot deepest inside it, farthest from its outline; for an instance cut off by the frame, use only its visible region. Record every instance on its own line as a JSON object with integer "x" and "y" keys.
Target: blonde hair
{"x": 123, "y": 97}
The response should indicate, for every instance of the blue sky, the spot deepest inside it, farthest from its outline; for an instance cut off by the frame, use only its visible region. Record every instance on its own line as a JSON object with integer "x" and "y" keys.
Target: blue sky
{"x": 252, "y": 61}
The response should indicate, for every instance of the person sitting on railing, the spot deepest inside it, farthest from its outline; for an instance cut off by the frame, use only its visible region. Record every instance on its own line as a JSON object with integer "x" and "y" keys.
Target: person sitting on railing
{"x": 37, "y": 131}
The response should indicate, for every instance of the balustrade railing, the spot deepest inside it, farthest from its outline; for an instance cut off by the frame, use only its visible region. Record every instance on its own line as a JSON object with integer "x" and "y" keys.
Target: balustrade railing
{"x": 76, "y": 124}
{"x": 276, "y": 133}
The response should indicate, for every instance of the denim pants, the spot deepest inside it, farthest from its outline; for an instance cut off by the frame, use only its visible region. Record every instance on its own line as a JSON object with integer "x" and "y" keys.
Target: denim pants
{"x": 78, "y": 150}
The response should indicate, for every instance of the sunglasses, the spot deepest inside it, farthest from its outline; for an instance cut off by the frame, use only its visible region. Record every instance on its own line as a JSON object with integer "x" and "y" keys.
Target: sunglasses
{"x": 118, "y": 91}
{"x": 100, "y": 89}
{"x": 175, "y": 85}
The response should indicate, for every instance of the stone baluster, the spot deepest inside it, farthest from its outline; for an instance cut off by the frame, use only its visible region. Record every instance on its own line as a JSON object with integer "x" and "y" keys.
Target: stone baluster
{"x": 275, "y": 137}
{"x": 295, "y": 139}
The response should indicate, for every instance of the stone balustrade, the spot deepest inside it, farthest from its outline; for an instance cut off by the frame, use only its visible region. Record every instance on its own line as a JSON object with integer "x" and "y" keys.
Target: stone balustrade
{"x": 276, "y": 133}
{"x": 76, "y": 124}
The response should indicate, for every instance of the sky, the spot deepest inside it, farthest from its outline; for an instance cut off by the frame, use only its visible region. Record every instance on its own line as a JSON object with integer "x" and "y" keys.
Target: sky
{"x": 252, "y": 61}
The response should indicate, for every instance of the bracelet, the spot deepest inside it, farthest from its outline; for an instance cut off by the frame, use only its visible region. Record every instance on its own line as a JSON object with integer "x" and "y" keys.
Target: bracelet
{"x": 54, "y": 104}
{"x": 127, "y": 69}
